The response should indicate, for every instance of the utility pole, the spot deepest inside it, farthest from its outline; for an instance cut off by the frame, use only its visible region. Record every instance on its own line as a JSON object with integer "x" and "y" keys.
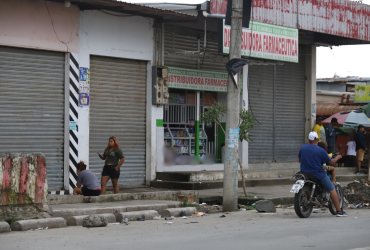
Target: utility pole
{"x": 230, "y": 196}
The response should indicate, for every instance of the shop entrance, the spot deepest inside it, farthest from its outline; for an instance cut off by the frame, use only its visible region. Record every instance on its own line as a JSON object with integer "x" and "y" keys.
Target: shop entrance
{"x": 179, "y": 125}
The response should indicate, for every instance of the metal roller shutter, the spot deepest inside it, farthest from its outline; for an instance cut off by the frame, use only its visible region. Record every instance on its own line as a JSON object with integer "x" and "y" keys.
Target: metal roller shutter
{"x": 32, "y": 106}
{"x": 261, "y": 96}
{"x": 118, "y": 108}
{"x": 181, "y": 49}
{"x": 290, "y": 110}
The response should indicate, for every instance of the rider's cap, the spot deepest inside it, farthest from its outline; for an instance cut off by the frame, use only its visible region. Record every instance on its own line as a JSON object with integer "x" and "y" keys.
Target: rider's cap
{"x": 312, "y": 136}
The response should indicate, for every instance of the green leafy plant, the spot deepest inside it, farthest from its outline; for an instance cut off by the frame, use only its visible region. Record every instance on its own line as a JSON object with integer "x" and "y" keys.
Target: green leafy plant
{"x": 218, "y": 110}
{"x": 12, "y": 219}
{"x": 246, "y": 124}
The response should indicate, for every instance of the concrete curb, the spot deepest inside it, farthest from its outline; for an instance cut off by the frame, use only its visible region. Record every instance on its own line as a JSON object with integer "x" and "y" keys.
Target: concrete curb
{"x": 160, "y": 195}
{"x": 176, "y": 211}
{"x": 133, "y": 216}
{"x": 69, "y": 212}
{"x": 77, "y": 220}
{"x": 4, "y": 227}
{"x": 25, "y": 225}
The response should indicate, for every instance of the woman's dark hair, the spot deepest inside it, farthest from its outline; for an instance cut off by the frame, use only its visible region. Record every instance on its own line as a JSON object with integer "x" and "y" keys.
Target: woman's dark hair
{"x": 81, "y": 166}
{"x": 322, "y": 145}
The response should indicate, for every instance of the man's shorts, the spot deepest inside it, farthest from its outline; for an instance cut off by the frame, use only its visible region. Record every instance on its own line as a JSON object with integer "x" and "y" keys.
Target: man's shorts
{"x": 90, "y": 192}
{"x": 110, "y": 170}
{"x": 327, "y": 184}
{"x": 360, "y": 154}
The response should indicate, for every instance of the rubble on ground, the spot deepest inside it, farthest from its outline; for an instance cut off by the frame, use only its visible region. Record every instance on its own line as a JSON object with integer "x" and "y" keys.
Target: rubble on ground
{"x": 357, "y": 194}
{"x": 209, "y": 209}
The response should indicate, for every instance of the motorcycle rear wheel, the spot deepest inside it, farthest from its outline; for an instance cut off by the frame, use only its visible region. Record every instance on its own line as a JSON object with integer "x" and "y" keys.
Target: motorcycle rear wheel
{"x": 303, "y": 208}
{"x": 332, "y": 208}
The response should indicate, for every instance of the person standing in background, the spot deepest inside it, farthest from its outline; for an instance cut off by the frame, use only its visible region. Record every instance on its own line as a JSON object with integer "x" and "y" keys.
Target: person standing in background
{"x": 361, "y": 147}
{"x": 320, "y": 130}
{"x": 331, "y": 135}
{"x": 114, "y": 159}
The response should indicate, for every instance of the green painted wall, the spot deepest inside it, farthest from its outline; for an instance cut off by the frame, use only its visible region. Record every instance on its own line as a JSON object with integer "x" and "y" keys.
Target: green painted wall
{"x": 159, "y": 123}
{"x": 220, "y": 138}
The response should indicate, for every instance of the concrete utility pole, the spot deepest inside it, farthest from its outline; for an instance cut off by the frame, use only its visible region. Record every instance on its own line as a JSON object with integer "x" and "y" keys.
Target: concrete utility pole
{"x": 230, "y": 196}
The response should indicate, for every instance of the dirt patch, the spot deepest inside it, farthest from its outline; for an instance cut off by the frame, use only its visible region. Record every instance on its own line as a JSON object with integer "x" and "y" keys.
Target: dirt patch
{"x": 357, "y": 193}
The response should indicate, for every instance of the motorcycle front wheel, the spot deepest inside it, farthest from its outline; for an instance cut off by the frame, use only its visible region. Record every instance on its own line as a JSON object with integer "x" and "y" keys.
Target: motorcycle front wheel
{"x": 332, "y": 208}
{"x": 302, "y": 206}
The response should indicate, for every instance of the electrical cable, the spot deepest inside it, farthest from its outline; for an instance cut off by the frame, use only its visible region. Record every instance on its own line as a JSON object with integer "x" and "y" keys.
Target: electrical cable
{"x": 52, "y": 24}
{"x": 250, "y": 50}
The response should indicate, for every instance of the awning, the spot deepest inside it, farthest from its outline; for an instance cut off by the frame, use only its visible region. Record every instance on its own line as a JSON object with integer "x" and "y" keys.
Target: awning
{"x": 131, "y": 8}
{"x": 328, "y": 109}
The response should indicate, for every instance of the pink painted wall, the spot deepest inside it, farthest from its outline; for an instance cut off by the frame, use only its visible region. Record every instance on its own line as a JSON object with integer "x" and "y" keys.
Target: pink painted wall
{"x": 22, "y": 179}
{"x": 26, "y": 23}
{"x": 336, "y": 17}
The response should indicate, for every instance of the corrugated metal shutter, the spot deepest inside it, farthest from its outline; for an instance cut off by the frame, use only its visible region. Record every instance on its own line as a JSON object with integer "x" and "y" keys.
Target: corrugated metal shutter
{"x": 176, "y": 42}
{"x": 290, "y": 110}
{"x": 118, "y": 108}
{"x": 32, "y": 106}
{"x": 261, "y": 96}
{"x": 181, "y": 50}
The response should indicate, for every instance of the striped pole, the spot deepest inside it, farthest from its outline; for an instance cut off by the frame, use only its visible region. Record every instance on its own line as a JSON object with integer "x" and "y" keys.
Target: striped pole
{"x": 197, "y": 110}
{"x": 74, "y": 73}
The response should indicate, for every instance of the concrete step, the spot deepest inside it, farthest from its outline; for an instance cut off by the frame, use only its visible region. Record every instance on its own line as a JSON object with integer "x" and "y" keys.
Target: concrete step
{"x": 82, "y": 209}
{"x": 201, "y": 176}
{"x": 201, "y": 185}
{"x": 25, "y": 225}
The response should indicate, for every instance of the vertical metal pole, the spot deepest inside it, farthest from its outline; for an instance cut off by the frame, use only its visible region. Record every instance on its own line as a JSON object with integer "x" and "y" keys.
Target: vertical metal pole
{"x": 230, "y": 195}
{"x": 197, "y": 110}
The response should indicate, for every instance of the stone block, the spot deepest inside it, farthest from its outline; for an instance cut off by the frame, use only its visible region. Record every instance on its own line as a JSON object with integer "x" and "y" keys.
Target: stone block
{"x": 265, "y": 206}
{"x": 176, "y": 211}
{"x": 25, "y": 225}
{"x": 4, "y": 227}
{"x": 133, "y": 216}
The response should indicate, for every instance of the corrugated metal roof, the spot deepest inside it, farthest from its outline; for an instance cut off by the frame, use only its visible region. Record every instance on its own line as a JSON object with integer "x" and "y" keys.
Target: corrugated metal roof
{"x": 131, "y": 8}
{"x": 328, "y": 109}
{"x": 344, "y": 79}
{"x": 334, "y": 17}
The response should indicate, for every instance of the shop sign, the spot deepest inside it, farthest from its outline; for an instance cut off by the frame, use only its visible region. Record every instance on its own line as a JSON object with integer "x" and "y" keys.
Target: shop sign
{"x": 362, "y": 93}
{"x": 180, "y": 78}
{"x": 267, "y": 41}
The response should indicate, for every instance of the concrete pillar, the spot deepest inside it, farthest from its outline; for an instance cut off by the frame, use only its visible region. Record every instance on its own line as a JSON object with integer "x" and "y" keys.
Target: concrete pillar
{"x": 310, "y": 89}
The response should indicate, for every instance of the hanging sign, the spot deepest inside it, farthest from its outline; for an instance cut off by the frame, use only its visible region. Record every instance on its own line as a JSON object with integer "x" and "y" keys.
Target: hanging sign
{"x": 266, "y": 41}
{"x": 180, "y": 78}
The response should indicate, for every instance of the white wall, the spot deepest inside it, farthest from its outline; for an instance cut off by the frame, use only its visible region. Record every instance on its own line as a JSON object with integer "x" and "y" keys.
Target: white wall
{"x": 121, "y": 37}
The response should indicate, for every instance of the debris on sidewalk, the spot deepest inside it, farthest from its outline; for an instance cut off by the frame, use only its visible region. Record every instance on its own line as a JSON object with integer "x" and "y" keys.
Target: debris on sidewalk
{"x": 209, "y": 209}
{"x": 40, "y": 228}
{"x": 357, "y": 194}
{"x": 265, "y": 206}
{"x": 168, "y": 223}
{"x": 223, "y": 216}
{"x": 157, "y": 217}
{"x": 94, "y": 221}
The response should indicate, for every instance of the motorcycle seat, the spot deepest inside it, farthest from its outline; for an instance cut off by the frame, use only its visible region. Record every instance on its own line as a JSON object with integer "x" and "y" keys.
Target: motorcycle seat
{"x": 310, "y": 176}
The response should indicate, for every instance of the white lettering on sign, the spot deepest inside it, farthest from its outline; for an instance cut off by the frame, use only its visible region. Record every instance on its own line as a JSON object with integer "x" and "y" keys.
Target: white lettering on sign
{"x": 266, "y": 41}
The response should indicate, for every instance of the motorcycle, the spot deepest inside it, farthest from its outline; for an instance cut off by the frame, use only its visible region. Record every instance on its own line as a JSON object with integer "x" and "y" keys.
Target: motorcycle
{"x": 309, "y": 193}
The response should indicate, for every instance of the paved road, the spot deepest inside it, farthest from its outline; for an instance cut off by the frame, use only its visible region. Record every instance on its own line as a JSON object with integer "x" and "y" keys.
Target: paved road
{"x": 239, "y": 230}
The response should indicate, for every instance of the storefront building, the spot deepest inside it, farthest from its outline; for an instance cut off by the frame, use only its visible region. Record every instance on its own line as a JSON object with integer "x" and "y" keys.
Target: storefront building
{"x": 71, "y": 77}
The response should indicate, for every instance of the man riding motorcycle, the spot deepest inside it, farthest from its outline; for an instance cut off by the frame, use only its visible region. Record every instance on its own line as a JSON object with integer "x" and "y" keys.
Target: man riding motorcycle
{"x": 312, "y": 158}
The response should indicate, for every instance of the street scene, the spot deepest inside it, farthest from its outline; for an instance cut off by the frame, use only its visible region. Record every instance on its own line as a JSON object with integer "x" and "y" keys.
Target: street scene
{"x": 184, "y": 124}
